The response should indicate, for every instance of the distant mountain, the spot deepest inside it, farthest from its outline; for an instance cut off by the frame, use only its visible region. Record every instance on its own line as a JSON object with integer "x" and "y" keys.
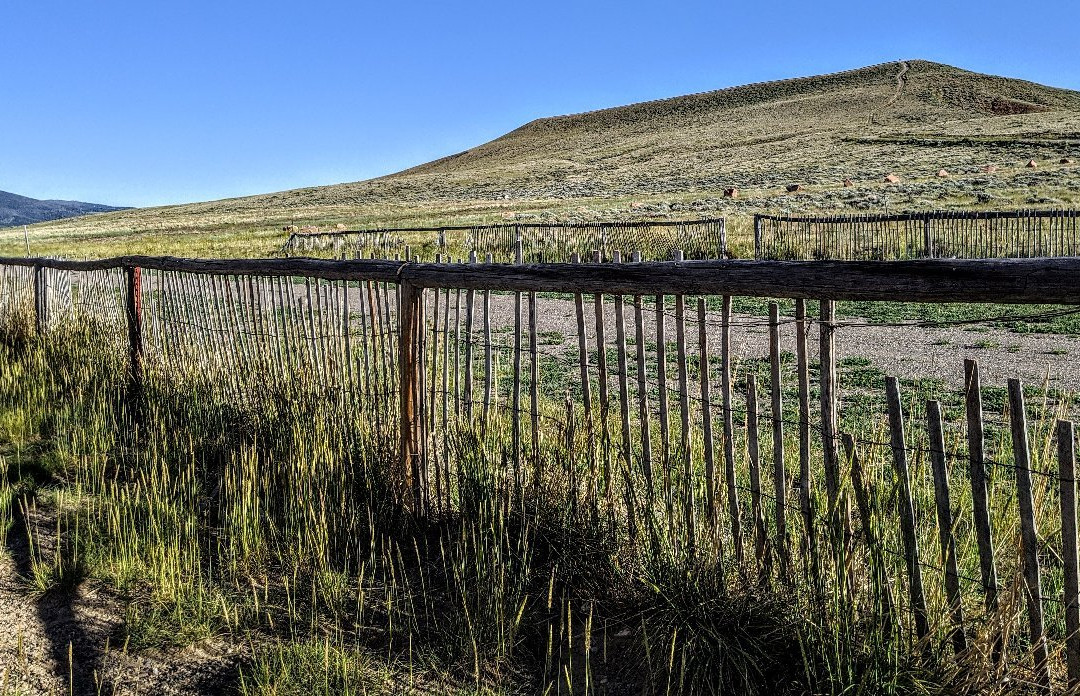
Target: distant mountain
{"x": 21, "y": 210}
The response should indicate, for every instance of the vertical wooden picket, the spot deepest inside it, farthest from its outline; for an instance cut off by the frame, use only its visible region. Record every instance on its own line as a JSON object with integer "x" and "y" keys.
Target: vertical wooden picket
{"x": 1029, "y": 536}
{"x": 1066, "y": 441}
{"x": 907, "y": 508}
{"x": 935, "y": 431}
{"x": 977, "y": 476}
{"x": 779, "y": 473}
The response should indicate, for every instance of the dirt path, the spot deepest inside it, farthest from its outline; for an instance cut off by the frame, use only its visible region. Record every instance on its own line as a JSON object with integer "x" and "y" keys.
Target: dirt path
{"x": 899, "y": 84}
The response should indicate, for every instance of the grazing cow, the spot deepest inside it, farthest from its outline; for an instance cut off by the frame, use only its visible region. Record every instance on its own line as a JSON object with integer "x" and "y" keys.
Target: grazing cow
{"x": 793, "y": 188}
{"x": 892, "y": 179}
{"x": 731, "y": 193}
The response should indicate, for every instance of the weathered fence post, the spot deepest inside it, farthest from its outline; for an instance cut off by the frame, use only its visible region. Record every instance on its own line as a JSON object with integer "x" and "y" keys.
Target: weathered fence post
{"x": 980, "y": 510}
{"x": 757, "y": 236}
{"x": 488, "y": 374}
{"x": 134, "y": 323}
{"x": 709, "y": 451}
{"x": 779, "y": 472}
{"x": 935, "y": 430}
{"x": 602, "y": 377}
{"x": 470, "y": 295}
{"x": 643, "y": 397}
{"x": 1067, "y": 473}
{"x": 405, "y": 479}
{"x": 41, "y": 300}
{"x": 516, "y": 413}
{"x": 586, "y": 388}
{"x": 977, "y": 475}
{"x": 828, "y": 404}
{"x": 729, "y": 427}
{"x": 803, "y": 369}
{"x": 907, "y": 510}
{"x": 1029, "y": 536}
{"x": 626, "y": 453}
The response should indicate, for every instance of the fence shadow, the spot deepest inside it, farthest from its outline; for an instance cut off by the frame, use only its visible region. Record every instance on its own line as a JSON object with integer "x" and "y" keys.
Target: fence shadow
{"x": 77, "y": 654}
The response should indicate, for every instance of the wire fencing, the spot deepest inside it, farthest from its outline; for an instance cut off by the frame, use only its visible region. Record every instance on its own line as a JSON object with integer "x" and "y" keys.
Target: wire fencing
{"x": 624, "y": 388}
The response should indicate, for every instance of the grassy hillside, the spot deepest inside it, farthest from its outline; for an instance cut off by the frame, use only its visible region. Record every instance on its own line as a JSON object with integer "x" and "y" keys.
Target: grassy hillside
{"x": 673, "y": 158}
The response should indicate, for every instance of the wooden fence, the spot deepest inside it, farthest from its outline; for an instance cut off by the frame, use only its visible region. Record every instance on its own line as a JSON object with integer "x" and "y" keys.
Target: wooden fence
{"x": 932, "y": 234}
{"x": 539, "y": 242}
{"x": 626, "y": 388}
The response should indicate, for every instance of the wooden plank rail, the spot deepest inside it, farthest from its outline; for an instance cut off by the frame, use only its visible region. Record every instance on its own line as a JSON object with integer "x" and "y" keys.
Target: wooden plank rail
{"x": 1015, "y": 281}
{"x": 1007, "y": 281}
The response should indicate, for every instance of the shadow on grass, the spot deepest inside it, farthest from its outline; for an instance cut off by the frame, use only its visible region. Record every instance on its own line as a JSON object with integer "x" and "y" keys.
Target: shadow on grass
{"x": 76, "y": 656}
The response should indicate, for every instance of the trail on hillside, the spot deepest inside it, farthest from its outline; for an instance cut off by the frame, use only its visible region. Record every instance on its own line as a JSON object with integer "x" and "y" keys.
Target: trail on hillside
{"x": 899, "y": 84}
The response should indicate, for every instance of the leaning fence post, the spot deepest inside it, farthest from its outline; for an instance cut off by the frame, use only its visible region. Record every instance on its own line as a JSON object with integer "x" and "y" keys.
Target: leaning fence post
{"x": 935, "y": 430}
{"x": 1067, "y": 473}
{"x": 907, "y": 508}
{"x": 134, "y": 322}
{"x": 977, "y": 476}
{"x": 404, "y": 481}
{"x": 1028, "y": 535}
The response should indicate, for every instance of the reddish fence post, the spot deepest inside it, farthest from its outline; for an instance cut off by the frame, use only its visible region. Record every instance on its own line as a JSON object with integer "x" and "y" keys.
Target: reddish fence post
{"x": 41, "y": 300}
{"x": 134, "y": 322}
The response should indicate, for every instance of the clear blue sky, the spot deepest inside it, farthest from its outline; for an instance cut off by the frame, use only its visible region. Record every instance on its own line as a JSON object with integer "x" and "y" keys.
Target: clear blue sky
{"x": 144, "y": 103}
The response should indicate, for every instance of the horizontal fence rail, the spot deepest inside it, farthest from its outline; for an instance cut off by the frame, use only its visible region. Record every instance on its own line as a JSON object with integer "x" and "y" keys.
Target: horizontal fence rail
{"x": 538, "y": 242}
{"x": 621, "y": 384}
{"x": 1015, "y": 281}
{"x": 931, "y": 234}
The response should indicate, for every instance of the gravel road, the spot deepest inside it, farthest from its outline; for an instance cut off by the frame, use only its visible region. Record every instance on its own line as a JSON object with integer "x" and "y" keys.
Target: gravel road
{"x": 905, "y": 351}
